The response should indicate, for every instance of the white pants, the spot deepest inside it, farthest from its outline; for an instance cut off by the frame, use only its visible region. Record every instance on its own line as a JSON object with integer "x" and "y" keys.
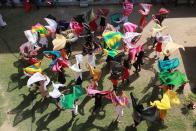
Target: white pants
{"x": 44, "y": 42}
{"x": 117, "y": 28}
{"x": 119, "y": 112}
{"x": 75, "y": 109}
{"x": 124, "y": 19}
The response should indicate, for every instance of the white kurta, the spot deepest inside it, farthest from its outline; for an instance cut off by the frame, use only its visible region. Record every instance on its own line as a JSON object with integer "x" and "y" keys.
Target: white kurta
{"x": 56, "y": 93}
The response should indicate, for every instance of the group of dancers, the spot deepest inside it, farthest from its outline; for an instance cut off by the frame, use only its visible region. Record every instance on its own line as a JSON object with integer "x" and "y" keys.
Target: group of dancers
{"x": 119, "y": 42}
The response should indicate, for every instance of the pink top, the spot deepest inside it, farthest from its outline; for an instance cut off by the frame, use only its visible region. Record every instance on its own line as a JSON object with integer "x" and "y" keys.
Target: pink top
{"x": 129, "y": 27}
{"x": 78, "y": 28}
{"x": 134, "y": 51}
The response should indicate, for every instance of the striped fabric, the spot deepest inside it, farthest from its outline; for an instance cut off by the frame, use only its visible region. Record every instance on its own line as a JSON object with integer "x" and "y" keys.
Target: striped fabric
{"x": 39, "y": 28}
{"x": 112, "y": 39}
{"x": 111, "y": 53}
{"x": 129, "y": 27}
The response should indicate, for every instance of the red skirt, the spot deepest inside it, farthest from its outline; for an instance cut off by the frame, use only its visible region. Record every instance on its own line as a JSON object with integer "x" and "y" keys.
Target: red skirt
{"x": 159, "y": 47}
{"x": 114, "y": 82}
{"x": 125, "y": 74}
{"x": 93, "y": 25}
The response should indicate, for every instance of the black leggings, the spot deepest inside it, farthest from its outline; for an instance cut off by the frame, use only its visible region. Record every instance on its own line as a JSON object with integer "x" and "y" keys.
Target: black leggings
{"x": 154, "y": 41}
{"x": 136, "y": 123}
{"x": 137, "y": 65}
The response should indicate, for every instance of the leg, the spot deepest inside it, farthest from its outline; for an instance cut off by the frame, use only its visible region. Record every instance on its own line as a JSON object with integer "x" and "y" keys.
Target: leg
{"x": 135, "y": 66}
{"x": 154, "y": 42}
{"x": 75, "y": 111}
{"x": 114, "y": 87}
{"x": 135, "y": 123}
{"x": 139, "y": 66}
{"x": 120, "y": 113}
{"x": 95, "y": 109}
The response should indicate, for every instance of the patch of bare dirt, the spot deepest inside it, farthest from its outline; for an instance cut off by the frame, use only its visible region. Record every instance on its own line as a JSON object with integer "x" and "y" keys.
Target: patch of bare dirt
{"x": 7, "y": 127}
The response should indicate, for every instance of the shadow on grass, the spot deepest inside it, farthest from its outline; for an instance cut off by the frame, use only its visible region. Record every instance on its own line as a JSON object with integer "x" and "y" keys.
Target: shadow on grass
{"x": 22, "y": 114}
{"x": 133, "y": 78}
{"x": 104, "y": 103}
{"x": 53, "y": 76}
{"x": 113, "y": 126}
{"x": 180, "y": 89}
{"x": 130, "y": 128}
{"x": 154, "y": 81}
{"x": 17, "y": 80}
{"x": 150, "y": 96}
{"x": 66, "y": 126}
{"x": 185, "y": 110}
{"x": 148, "y": 51}
{"x": 27, "y": 100}
{"x": 156, "y": 126}
{"x": 84, "y": 102}
{"x": 42, "y": 123}
{"x": 105, "y": 70}
{"x": 88, "y": 124}
{"x": 194, "y": 125}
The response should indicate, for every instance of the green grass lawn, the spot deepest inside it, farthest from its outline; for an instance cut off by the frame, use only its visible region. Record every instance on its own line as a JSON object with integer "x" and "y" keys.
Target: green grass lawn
{"x": 32, "y": 114}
